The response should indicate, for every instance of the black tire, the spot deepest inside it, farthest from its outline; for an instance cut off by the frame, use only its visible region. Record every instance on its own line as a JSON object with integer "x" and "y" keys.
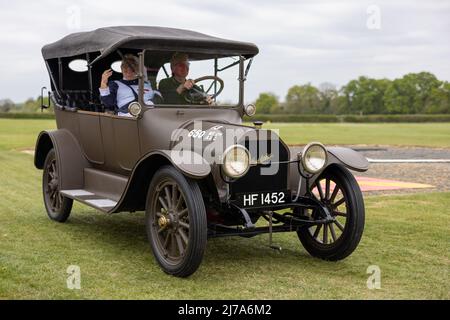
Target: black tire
{"x": 324, "y": 241}
{"x": 178, "y": 235}
{"x": 57, "y": 206}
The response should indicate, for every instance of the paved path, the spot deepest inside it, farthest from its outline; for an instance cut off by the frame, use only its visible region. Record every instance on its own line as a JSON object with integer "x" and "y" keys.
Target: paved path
{"x": 403, "y": 177}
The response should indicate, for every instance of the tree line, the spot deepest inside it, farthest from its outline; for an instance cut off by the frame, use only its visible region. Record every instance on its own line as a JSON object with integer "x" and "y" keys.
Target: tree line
{"x": 29, "y": 106}
{"x": 414, "y": 93}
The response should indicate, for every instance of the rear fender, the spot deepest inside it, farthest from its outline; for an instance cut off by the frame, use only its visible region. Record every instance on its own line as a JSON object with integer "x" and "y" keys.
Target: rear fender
{"x": 70, "y": 159}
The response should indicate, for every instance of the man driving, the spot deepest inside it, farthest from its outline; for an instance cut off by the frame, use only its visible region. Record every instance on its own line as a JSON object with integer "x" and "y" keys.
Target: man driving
{"x": 174, "y": 89}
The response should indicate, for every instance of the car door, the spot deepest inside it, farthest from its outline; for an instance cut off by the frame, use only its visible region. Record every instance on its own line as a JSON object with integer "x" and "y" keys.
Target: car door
{"x": 91, "y": 141}
{"x": 121, "y": 141}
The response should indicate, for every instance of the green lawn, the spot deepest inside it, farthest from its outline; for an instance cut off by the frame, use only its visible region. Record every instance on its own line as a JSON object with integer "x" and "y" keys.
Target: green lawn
{"x": 406, "y": 134}
{"x": 19, "y": 133}
{"x": 406, "y": 236}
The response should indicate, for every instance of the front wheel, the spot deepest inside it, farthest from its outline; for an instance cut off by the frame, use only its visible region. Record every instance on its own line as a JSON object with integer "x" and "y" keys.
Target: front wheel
{"x": 338, "y": 190}
{"x": 176, "y": 222}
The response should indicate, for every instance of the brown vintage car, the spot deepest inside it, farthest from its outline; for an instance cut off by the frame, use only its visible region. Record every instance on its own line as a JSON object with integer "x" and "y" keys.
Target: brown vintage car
{"x": 195, "y": 169}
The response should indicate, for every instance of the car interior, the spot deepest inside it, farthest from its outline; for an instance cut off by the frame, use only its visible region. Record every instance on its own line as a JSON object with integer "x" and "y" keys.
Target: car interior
{"x": 78, "y": 88}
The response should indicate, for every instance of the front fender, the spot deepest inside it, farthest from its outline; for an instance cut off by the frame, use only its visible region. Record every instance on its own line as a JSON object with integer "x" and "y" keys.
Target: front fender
{"x": 135, "y": 193}
{"x": 188, "y": 162}
{"x": 347, "y": 157}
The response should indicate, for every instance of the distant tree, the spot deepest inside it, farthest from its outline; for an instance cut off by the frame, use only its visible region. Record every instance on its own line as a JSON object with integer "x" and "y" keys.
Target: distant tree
{"x": 411, "y": 93}
{"x": 31, "y": 105}
{"x": 329, "y": 96}
{"x": 6, "y": 105}
{"x": 399, "y": 97}
{"x": 267, "y": 103}
{"x": 439, "y": 99}
{"x": 426, "y": 83}
{"x": 364, "y": 95}
{"x": 303, "y": 99}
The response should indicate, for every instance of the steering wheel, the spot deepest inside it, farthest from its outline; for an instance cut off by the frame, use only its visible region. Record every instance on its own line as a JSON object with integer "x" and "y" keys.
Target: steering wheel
{"x": 198, "y": 95}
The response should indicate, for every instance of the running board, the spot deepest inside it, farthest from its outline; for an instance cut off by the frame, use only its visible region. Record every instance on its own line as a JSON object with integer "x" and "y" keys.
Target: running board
{"x": 91, "y": 199}
{"x": 102, "y": 189}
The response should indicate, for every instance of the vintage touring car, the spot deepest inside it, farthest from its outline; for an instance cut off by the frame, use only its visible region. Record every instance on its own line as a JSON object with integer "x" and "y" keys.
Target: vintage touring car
{"x": 196, "y": 169}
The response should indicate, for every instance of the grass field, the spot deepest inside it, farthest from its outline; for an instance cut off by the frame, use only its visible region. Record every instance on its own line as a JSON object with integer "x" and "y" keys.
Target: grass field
{"x": 406, "y": 236}
{"x": 405, "y": 134}
{"x": 20, "y": 133}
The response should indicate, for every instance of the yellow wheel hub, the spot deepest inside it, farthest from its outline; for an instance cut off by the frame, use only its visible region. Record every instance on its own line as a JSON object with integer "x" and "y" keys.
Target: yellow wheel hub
{"x": 163, "y": 221}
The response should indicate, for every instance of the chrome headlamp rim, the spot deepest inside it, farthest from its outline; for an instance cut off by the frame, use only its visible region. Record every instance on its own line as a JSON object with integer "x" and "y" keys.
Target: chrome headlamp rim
{"x": 224, "y": 167}
{"x": 248, "y": 112}
{"x": 135, "y": 109}
{"x": 305, "y": 152}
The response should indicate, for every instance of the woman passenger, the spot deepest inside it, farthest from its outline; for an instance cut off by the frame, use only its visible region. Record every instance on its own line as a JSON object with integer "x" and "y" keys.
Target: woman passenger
{"x": 116, "y": 95}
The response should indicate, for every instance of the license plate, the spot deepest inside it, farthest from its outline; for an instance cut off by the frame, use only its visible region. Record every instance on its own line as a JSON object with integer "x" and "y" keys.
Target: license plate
{"x": 262, "y": 199}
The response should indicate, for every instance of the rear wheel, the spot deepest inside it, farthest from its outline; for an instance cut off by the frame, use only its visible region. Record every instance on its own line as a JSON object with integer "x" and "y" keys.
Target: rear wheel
{"x": 338, "y": 190}
{"x": 58, "y": 207}
{"x": 176, "y": 222}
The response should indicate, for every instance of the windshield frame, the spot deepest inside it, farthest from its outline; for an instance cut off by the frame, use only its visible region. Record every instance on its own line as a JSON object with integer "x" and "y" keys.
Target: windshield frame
{"x": 241, "y": 79}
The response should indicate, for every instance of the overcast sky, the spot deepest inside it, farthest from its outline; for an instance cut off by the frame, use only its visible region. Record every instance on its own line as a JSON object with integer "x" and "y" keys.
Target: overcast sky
{"x": 299, "y": 41}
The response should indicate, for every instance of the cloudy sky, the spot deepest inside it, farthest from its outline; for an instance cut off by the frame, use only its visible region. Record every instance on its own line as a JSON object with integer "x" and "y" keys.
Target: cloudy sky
{"x": 299, "y": 41}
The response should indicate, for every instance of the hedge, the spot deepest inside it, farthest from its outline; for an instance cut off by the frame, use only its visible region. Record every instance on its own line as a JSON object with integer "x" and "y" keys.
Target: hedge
{"x": 289, "y": 117}
{"x": 349, "y": 118}
{"x": 25, "y": 115}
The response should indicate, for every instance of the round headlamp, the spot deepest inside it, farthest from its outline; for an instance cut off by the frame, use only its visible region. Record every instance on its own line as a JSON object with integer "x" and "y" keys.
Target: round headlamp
{"x": 250, "y": 110}
{"x": 135, "y": 109}
{"x": 314, "y": 157}
{"x": 236, "y": 161}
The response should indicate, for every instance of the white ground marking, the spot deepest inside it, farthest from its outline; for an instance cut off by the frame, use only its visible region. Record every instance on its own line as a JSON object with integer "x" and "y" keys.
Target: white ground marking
{"x": 408, "y": 160}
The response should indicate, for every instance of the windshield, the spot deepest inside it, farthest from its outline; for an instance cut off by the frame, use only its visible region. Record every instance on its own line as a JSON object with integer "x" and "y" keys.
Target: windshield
{"x": 184, "y": 81}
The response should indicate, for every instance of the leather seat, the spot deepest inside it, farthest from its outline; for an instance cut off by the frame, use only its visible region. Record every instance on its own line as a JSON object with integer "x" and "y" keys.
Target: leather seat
{"x": 80, "y": 100}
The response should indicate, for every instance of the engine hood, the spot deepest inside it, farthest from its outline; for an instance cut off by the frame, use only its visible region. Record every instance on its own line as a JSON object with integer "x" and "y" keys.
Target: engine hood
{"x": 211, "y": 139}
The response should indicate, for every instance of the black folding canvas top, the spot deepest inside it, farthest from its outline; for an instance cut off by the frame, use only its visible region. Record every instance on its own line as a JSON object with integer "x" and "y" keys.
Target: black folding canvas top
{"x": 107, "y": 40}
